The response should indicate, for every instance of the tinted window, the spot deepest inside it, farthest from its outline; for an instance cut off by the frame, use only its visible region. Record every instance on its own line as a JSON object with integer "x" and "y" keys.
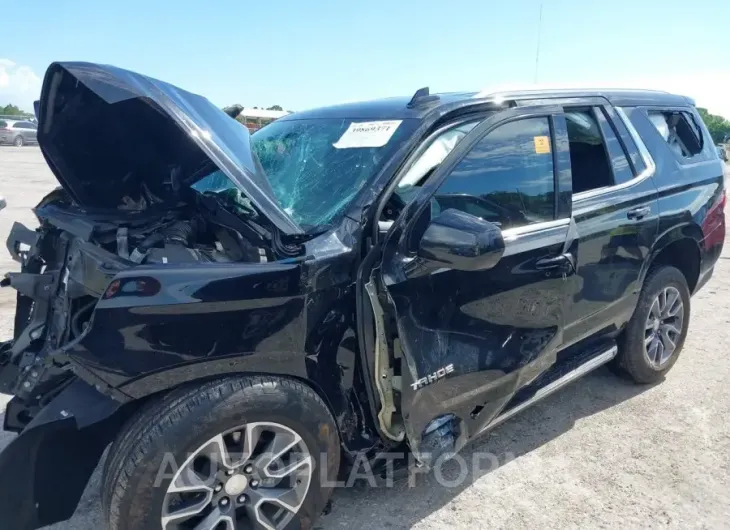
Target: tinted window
{"x": 506, "y": 178}
{"x": 629, "y": 114}
{"x": 589, "y": 162}
{"x": 619, "y": 161}
{"x": 3, "y": 123}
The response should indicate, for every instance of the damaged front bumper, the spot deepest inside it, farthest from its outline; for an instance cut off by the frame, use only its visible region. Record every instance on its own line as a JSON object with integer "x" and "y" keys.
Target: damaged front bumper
{"x": 64, "y": 417}
{"x": 43, "y": 471}
{"x": 24, "y": 370}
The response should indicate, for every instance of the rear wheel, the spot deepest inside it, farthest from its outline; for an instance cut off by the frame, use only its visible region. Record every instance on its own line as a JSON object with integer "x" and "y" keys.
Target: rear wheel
{"x": 234, "y": 454}
{"x": 18, "y": 141}
{"x": 656, "y": 332}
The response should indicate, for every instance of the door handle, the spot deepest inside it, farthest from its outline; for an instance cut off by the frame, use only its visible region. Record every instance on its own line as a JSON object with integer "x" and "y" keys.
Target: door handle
{"x": 554, "y": 263}
{"x": 638, "y": 213}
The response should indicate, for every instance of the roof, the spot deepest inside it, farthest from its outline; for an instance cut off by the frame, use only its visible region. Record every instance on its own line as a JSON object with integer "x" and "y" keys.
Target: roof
{"x": 397, "y": 107}
{"x": 263, "y": 113}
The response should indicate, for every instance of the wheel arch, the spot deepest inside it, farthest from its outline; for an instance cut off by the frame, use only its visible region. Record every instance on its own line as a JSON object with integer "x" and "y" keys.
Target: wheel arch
{"x": 679, "y": 247}
{"x": 149, "y": 387}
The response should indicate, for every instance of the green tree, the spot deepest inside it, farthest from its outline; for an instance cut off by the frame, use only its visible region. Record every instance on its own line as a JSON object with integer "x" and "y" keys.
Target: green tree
{"x": 718, "y": 126}
{"x": 233, "y": 110}
{"x": 275, "y": 107}
{"x": 12, "y": 110}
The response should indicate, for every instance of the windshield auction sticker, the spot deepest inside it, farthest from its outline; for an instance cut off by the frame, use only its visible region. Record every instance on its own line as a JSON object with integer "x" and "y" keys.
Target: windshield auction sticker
{"x": 367, "y": 134}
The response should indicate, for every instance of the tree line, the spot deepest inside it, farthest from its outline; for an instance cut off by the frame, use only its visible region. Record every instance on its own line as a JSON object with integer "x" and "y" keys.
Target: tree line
{"x": 12, "y": 110}
{"x": 718, "y": 126}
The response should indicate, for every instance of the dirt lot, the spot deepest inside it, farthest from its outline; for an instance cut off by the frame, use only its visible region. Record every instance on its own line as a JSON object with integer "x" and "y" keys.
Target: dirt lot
{"x": 601, "y": 453}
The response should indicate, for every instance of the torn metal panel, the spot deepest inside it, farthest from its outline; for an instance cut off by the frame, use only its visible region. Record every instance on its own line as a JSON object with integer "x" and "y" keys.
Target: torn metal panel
{"x": 384, "y": 372}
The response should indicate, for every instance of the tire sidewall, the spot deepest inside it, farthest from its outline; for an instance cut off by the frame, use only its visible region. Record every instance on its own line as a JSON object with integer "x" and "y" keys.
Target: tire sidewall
{"x": 634, "y": 343}
{"x": 18, "y": 141}
{"x": 207, "y": 418}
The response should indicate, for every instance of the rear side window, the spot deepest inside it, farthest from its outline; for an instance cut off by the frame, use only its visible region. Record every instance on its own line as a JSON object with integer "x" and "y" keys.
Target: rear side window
{"x": 679, "y": 130}
{"x": 3, "y": 123}
{"x": 622, "y": 171}
{"x": 622, "y": 119}
{"x": 588, "y": 153}
{"x": 507, "y": 178}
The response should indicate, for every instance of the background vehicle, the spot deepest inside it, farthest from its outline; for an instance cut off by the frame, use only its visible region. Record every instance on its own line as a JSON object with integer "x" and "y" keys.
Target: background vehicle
{"x": 286, "y": 320}
{"x": 722, "y": 152}
{"x": 18, "y": 133}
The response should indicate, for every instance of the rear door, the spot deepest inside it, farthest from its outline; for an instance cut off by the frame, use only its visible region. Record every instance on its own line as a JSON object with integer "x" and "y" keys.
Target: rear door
{"x": 470, "y": 339}
{"x": 616, "y": 227}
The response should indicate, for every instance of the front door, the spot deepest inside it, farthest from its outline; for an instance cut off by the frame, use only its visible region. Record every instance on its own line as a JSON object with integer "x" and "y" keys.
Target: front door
{"x": 471, "y": 339}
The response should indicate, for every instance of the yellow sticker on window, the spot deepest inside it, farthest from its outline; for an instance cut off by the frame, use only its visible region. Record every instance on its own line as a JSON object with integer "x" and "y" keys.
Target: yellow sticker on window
{"x": 542, "y": 144}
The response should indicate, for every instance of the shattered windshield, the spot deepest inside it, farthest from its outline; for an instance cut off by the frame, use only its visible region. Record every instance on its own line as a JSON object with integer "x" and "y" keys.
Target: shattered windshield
{"x": 317, "y": 166}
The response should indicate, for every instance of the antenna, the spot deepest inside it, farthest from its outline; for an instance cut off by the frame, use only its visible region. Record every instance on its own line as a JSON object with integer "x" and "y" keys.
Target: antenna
{"x": 537, "y": 52}
{"x": 421, "y": 97}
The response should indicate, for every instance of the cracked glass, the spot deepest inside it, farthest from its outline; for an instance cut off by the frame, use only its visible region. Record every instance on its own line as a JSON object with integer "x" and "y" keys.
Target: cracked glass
{"x": 313, "y": 180}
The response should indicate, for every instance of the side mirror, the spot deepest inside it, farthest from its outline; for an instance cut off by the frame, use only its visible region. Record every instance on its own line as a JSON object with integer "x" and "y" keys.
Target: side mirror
{"x": 461, "y": 241}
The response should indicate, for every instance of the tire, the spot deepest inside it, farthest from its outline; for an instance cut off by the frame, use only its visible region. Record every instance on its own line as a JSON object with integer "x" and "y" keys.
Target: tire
{"x": 637, "y": 360}
{"x": 169, "y": 429}
{"x": 18, "y": 141}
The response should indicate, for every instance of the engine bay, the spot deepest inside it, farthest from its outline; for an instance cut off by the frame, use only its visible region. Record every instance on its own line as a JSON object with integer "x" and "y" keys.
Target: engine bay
{"x": 182, "y": 241}
{"x": 71, "y": 260}
{"x": 211, "y": 227}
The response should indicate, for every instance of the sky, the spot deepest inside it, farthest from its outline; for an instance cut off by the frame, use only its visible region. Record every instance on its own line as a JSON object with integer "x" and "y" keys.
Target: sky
{"x": 304, "y": 54}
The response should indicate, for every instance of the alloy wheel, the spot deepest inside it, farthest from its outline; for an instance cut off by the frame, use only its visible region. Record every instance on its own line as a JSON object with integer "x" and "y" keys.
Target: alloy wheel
{"x": 663, "y": 327}
{"x": 255, "y": 476}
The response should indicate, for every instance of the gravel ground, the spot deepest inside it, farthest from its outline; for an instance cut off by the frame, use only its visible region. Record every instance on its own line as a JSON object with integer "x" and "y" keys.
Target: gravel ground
{"x": 601, "y": 453}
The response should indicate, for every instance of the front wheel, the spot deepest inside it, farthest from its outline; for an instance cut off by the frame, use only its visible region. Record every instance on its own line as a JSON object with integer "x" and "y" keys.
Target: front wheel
{"x": 237, "y": 454}
{"x": 656, "y": 332}
{"x": 18, "y": 141}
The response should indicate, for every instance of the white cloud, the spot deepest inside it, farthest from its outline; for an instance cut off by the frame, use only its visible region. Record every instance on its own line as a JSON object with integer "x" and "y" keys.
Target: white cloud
{"x": 19, "y": 85}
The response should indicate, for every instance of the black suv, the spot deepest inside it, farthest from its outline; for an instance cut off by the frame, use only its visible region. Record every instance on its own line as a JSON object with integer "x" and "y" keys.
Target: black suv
{"x": 241, "y": 317}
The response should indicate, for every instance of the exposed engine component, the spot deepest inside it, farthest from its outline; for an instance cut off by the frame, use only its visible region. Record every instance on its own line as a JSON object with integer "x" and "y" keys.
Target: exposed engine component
{"x": 181, "y": 241}
{"x": 176, "y": 253}
{"x": 182, "y": 232}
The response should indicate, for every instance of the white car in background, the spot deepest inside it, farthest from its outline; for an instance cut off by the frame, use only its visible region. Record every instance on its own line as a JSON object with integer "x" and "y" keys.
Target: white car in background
{"x": 18, "y": 132}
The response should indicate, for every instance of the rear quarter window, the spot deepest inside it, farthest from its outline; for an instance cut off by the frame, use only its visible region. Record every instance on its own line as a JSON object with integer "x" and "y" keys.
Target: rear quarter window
{"x": 679, "y": 130}
{"x": 3, "y": 123}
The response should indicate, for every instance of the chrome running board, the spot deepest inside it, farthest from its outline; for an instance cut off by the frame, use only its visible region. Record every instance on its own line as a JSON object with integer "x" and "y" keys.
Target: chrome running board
{"x": 556, "y": 385}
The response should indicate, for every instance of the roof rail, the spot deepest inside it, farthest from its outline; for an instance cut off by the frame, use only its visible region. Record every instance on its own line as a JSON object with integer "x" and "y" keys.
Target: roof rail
{"x": 536, "y": 89}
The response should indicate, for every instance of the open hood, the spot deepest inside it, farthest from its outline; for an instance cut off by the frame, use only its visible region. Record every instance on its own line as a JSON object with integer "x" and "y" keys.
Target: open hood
{"x": 121, "y": 140}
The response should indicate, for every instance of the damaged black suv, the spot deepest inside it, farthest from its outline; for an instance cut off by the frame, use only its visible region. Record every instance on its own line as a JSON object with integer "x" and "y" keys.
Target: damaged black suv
{"x": 241, "y": 316}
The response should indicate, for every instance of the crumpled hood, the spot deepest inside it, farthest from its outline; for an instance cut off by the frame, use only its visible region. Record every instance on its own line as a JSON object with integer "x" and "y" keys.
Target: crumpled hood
{"x": 121, "y": 140}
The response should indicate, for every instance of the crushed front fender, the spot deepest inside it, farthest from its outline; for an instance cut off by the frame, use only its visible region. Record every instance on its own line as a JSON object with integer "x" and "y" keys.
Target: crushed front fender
{"x": 44, "y": 470}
